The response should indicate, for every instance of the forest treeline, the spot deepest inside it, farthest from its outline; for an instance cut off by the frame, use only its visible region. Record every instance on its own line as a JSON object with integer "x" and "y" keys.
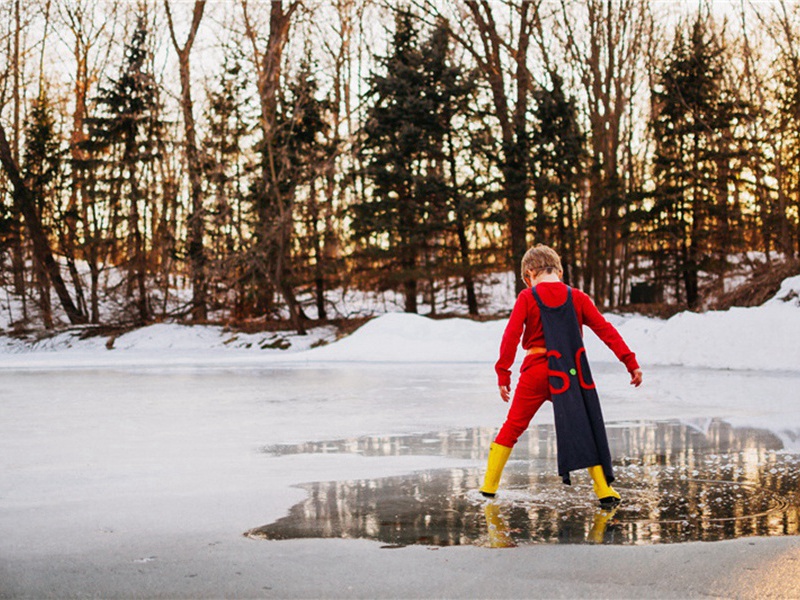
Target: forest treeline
{"x": 262, "y": 154}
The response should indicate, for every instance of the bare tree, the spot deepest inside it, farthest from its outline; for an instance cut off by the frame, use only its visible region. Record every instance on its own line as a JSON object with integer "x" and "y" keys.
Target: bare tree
{"x": 276, "y": 212}
{"x": 503, "y": 65}
{"x": 782, "y": 25}
{"x": 197, "y": 258}
{"x": 338, "y": 36}
{"x": 17, "y": 250}
{"x": 604, "y": 43}
{"x": 85, "y": 24}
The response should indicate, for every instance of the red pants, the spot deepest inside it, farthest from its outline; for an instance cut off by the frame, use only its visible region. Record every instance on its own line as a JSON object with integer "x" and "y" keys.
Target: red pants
{"x": 532, "y": 390}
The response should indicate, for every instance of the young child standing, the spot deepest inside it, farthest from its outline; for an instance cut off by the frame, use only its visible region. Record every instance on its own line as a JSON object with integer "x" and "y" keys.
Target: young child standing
{"x": 549, "y": 317}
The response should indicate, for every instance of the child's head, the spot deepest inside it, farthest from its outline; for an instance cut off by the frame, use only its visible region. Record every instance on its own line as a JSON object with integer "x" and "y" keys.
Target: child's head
{"x": 540, "y": 259}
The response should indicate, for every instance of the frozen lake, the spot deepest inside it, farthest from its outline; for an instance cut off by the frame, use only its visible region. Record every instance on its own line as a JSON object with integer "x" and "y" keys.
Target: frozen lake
{"x": 111, "y": 478}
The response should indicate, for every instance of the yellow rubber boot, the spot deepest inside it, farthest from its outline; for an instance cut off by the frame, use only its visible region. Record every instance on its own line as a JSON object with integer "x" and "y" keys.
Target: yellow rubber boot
{"x": 607, "y": 495}
{"x": 498, "y": 455}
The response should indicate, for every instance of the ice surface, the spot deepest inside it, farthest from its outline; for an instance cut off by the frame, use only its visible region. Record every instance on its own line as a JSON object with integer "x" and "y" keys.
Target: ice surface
{"x": 117, "y": 453}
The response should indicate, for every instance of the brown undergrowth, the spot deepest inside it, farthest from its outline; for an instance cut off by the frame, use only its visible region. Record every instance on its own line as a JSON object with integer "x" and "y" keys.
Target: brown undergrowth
{"x": 763, "y": 284}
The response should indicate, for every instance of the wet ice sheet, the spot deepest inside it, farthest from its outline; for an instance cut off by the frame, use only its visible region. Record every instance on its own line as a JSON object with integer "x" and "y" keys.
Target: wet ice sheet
{"x": 88, "y": 451}
{"x": 679, "y": 481}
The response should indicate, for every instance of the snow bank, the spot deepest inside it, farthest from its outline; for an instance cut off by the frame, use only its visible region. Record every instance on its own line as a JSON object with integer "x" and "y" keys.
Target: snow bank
{"x": 401, "y": 337}
{"x": 760, "y": 338}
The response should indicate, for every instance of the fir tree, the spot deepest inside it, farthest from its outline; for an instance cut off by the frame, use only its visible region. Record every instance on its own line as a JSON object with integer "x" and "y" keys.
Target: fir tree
{"x": 42, "y": 164}
{"x": 405, "y": 149}
{"x": 42, "y": 149}
{"x": 303, "y": 132}
{"x": 227, "y": 166}
{"x": 123, "y": 141}
{"x": 692, "y": 124}
{"x": 453, "y": 93}
{"x": 558, "y": 167}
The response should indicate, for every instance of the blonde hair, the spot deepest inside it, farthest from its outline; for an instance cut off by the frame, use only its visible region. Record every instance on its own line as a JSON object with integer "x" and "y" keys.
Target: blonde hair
{"x": 540, "y": 258}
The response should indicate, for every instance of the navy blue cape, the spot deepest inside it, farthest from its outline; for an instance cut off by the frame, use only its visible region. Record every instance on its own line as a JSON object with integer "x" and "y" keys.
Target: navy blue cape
{"x": 580, "y": 430}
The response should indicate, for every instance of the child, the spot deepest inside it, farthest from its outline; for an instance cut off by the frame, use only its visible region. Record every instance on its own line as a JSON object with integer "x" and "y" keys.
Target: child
{"x": 549, "y": 317}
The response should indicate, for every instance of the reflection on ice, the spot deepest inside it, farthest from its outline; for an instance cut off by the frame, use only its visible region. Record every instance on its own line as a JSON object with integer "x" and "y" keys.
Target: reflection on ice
{"x": 679, "y": 482}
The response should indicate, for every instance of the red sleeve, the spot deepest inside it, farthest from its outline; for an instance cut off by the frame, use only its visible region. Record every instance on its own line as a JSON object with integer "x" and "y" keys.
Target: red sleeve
{"x": 607, "y": 333}
{"x": 511, "y": 337}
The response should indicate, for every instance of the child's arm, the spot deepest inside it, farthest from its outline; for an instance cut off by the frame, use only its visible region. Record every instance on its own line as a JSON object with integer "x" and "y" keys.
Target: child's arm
{"x": 610, "y": 337}
{"x": 509, "y": 343}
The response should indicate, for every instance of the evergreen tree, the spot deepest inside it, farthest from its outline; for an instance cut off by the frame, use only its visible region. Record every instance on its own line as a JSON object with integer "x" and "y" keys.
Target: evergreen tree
{"x": 692, "y": 123}
{"x": 42, "y": 164}
{"x": 227, "y": 166}
{"x": 453, "y": 93}
{"x": 42, "y": 149}
{"x": 558, "y": 167}
{"x": 405, "y": 150}
{"x": 123, "y": 141}
{"x": 293, "y": 157}
{"x": 303, "y": 132}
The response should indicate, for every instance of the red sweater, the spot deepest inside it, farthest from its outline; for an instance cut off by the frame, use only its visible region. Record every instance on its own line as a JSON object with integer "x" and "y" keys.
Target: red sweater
{"x": 525, "y": 322}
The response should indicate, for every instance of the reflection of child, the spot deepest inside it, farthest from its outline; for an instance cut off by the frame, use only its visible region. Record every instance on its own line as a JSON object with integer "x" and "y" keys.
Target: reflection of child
{"x": 549, "y": 317}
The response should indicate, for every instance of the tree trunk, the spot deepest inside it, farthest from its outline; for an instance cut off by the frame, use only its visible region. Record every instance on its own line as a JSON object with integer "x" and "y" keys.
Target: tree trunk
{"x": 197, "y": 256}
{"x": 316, "y": 245}
{"x": 26, "y": 205}
{"x": 136, "y": 253}
{"x": 276, "y": 239}
{"x": 469, "y": 281}
{"x": 410, "y": 293}
{"x": 17, "y": 250}
{"x": 512, "y": 122}
{"x": 607, "y": 64}
{"x": 461, "y": 232}
{"x": 45, "y": 306}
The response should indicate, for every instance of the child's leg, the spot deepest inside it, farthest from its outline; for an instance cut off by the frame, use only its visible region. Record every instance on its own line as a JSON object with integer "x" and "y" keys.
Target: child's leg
{"x": 532, "y": 390}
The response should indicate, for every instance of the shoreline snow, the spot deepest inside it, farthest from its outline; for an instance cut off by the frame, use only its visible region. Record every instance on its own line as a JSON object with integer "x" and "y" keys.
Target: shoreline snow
{"x": 763, "y": 338}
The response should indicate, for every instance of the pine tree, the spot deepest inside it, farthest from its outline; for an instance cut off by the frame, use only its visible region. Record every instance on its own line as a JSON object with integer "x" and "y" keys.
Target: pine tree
{"x": 558, "y": 167}
{"x": 405, "y": 149}
{"x": 692, "y": 125}
{"x": 227, "y": 167}
{"x": 453, "y": 91}
{"x": 42, "y": 164}
{"x": 304, "y": 124}
{"x": 123, "y": 142}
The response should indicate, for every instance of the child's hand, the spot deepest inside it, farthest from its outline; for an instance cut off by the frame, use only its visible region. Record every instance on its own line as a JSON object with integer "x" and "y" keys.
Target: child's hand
{"x": 505, "y": 392}
{"x": 636, "y": 377}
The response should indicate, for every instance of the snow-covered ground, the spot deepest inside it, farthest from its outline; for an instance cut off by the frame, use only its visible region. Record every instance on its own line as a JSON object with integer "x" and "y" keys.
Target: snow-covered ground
{"x": 763, "y": 338}
{"x": 134, "y": 470}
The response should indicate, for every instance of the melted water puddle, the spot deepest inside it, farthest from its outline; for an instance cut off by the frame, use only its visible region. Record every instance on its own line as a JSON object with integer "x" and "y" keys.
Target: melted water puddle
{"x": 679, "y": 482}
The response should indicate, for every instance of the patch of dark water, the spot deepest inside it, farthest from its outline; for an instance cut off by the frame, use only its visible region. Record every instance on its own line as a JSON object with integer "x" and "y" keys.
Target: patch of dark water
{"x": 680, "y": 482}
